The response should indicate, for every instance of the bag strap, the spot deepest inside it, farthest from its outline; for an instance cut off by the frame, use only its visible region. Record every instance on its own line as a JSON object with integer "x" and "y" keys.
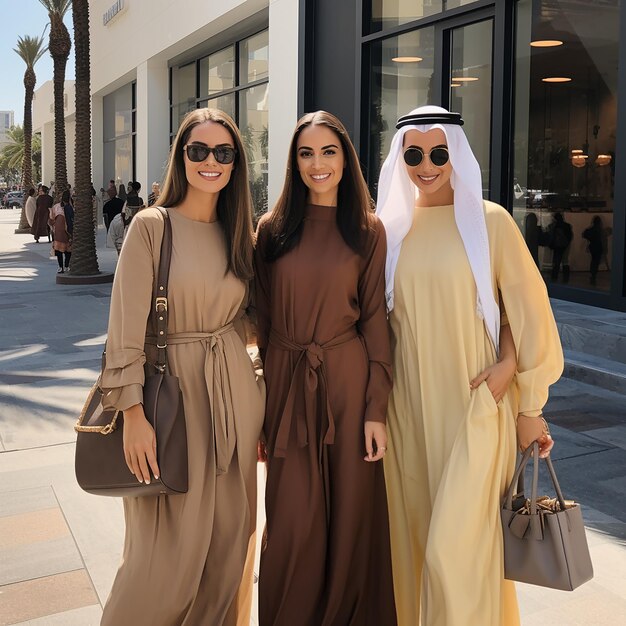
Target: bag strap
{"x": 533, "y": 450}
{"x": 159, "y": 312}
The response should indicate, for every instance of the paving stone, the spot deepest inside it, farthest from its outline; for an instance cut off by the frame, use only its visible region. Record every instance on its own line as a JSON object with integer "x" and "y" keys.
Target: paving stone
{"x": 49, "y": 594}
{"x": 26, "y": 500}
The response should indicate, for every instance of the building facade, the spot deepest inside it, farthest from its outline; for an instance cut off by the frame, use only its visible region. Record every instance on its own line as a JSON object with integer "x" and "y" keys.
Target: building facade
{"x": 7, "y": 120}
{"x": 150, "y": 66}
{"x": 535, "y": 80}
{"x": 537, "y": 84}
{"x": 43, "y": 124}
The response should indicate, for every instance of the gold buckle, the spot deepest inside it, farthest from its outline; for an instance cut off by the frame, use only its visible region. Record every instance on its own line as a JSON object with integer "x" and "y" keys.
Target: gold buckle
{"x": 161, "y": 301}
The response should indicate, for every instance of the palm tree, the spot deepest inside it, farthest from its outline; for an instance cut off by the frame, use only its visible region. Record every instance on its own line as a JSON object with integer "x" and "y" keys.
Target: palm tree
{"x": 84, "y": 257}
{"x": 59, "y": 45}
{"x": 14, "y": 152}
{"x": 30, "y": 50}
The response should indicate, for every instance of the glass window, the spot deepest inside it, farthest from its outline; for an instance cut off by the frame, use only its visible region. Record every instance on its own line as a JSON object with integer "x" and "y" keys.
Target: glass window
{"x": 184, "y": 84}
{"x": 254, "y": 126}
{"x": 401, "y": 79}
{"x": 389, "y": 13}
{"x": 217, "y": 72}
{"x": 565, "y": 137}
{"x": 117, "y": 112}
{"x": 223, "y": 103}
{"x": 470, "y": 88}
{"x": 253, "y": 58}
{"x": 123, "y": 159}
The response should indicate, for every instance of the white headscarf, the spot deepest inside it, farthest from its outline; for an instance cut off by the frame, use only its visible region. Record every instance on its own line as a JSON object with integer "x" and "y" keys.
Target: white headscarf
{"x": 396, "y": 201}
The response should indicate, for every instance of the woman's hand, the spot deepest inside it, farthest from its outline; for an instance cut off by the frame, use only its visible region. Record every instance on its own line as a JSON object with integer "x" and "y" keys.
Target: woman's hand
{"x": 531, "y": 429}
{"x": 375, "y": 435}
{"x": 140, "y": 444}
{"x": 261, "y": 451}
{"x": 500, "y": 375}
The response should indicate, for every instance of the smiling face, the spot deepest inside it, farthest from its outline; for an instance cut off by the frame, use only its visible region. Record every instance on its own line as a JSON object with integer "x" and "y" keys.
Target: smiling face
{"x": 320, "y": 161}
{"x": 208, "y": 176}
{"x": 432, "y": 181}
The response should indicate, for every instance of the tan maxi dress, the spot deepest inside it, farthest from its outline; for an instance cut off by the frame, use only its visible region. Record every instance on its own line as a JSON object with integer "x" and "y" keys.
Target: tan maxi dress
{"x": 184, "y": 555}
{"x": 452, "y": 450}
{"x": 324, "y": 337}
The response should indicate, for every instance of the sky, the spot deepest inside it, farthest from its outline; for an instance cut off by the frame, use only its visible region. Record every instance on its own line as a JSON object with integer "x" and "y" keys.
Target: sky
{"x": 20, "y": 18}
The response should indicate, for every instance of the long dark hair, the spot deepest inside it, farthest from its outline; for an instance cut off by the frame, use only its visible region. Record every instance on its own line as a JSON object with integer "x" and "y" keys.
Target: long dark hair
{"x": 354, "y": 203}
{"x": 234, "y": 204}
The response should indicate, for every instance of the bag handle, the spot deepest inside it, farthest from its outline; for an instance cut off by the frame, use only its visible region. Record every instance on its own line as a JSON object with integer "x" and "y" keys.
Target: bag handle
{"x": 533, "y": 450}
{"x": 159, "y": 312}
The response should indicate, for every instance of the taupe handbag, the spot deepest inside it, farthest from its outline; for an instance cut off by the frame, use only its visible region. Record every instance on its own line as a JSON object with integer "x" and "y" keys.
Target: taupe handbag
{"x": 99, "y": 462}
{"x": 544, "y": 538}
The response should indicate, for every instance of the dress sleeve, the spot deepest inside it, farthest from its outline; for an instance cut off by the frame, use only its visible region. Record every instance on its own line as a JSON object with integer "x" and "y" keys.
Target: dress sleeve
{"x": 528, "y": 310}
{"x": 373, "y": 326}
{"x": 123, "y": 377}
{"x": 261, "y": 291}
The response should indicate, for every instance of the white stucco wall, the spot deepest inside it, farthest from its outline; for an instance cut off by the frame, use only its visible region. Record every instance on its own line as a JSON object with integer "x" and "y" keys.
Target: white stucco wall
{"x": 43, "y": 122}
{"x": 138, "y": 44}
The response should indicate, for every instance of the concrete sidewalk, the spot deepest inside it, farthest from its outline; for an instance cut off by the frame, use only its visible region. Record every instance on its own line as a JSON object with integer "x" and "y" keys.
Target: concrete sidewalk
{"x": 60, "y": 547}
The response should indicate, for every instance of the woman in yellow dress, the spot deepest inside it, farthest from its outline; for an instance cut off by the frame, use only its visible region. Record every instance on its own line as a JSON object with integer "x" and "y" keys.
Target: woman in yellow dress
{"x": 453, "y": 262}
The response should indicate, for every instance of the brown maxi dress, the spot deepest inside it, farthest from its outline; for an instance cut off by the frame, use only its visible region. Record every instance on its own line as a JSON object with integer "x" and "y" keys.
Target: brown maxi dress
{"x": 184, "y": 555}
{"x": 324, "y": 337}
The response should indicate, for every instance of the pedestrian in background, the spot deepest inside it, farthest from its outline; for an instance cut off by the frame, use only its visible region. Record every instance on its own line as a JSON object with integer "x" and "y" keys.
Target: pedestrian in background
{"x": 122, "y": 194}
{"x": 457, "y": 268}
{"x": 595, "y": 237}
{"x": 62, "y": 224}
{"x": 323, "y": 335}
{"x": 188, "y": 558}
{"x": 120, "y": 223}
{"x": 31, "y": 206}
{"x": 135, "y": 188}
{"x": 154, "y": 195}
{"x": 560, "y": 237}
{"x": 40, "y": 226}
{"x": 112, "y": 208}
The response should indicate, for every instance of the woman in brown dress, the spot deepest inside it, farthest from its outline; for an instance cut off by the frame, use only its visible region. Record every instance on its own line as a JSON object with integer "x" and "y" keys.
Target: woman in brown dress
{"x": 187, "y": 558}
{"x": 320, "y": 261}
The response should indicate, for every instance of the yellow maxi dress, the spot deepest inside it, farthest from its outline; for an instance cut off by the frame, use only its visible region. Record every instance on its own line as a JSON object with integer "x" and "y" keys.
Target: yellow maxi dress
{"x": 452, "y": 450}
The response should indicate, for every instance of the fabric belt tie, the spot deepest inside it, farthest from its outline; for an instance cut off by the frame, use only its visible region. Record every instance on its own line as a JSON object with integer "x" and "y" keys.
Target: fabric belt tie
{"x": 309, "y": 376}
{"x": 218, "y": 387}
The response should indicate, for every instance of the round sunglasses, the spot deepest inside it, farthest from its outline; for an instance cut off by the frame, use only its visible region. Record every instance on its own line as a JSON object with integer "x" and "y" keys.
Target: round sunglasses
{"x": 198, "y": 152}
{"x": 414, "y": 156}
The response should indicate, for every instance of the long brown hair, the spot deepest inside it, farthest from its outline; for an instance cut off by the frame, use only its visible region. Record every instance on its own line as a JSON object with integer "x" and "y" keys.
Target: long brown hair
{"x": 354, "y": 203}
{"x": 234, "y": 204}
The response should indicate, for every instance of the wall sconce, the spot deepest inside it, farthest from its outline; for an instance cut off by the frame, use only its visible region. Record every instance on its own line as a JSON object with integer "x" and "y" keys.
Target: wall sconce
{"x": 603, "y": 159}
{"x": 578, "y": 158}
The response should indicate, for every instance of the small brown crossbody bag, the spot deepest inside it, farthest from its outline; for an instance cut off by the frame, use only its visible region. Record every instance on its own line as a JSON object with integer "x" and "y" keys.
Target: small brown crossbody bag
{"x": 100, "y": 463}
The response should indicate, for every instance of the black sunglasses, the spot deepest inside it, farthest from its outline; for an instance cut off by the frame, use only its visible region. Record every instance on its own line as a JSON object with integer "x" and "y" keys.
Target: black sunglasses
{"x": 414, "y": 156}
{"x": 198, "y": 152}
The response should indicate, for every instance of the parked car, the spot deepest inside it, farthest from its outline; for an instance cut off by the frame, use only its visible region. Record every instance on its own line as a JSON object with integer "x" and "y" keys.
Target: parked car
{"x": 15, "y": 199}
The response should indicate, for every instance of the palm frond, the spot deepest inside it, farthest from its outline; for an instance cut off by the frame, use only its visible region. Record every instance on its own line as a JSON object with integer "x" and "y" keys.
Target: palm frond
{"x": 30, "y": 49}
{"x": 60, "y": 7}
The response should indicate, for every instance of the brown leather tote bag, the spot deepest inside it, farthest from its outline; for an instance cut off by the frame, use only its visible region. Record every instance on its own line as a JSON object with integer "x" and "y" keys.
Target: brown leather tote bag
{"x": 99, "y": 462}
{"x": 544, "y": 538}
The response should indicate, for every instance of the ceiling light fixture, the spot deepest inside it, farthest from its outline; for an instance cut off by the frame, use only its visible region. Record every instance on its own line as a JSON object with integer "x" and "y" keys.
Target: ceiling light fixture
{"x": 556, "y": 79}
{"x": 464, "y": 79}
{"x": 407, "y": 59}
{"x": 546, "y": 43}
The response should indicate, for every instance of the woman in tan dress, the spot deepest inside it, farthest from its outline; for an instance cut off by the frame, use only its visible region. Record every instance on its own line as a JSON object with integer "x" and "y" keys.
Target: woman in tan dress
{"x": 187, "y": 558}
{"x": 323, "y": 334}
{"x": 453, "y": 262}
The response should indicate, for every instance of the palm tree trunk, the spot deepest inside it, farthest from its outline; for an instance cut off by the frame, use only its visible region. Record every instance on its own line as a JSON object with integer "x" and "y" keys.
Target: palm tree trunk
{"x": 27, "y": 163}
{"x": 84, "y": 256}
{"x": 60, "y": 152}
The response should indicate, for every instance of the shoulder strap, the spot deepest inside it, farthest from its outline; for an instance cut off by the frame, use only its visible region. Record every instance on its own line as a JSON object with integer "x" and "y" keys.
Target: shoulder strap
{"x": 160, "y": 299}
